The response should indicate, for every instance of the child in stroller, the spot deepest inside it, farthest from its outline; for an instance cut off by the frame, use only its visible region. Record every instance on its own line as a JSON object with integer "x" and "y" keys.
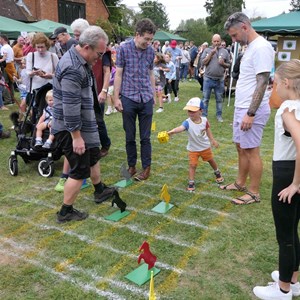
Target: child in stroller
{"x": 26, "y": 144}
{"x": 45, "y": 123}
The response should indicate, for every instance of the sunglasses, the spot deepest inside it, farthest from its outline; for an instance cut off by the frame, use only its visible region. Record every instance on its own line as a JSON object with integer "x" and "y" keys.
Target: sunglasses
{"x": 100, "y": 54}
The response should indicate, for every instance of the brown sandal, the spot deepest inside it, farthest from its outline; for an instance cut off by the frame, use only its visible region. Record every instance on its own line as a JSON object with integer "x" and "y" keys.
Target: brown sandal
{"x": 238, "y": 187}
{"x": 244, "y": 200}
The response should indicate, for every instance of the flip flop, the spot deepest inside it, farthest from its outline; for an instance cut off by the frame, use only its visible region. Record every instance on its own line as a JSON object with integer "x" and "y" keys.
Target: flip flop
{"x": 244, "y": 200}
{"x": 237, "y": 187}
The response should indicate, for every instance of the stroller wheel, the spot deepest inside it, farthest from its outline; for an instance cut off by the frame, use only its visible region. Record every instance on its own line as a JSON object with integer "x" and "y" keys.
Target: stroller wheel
{"x": 13, "y": 166}
{"x": 45, "y": 168}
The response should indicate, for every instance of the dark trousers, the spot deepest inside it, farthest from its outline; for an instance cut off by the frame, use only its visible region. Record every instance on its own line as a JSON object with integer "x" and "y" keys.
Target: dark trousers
{"x": 143, "y": 111}
{"x": 104, "y": 138}
{"x": 169, "y": 87}
{"x": 286, "y": 218}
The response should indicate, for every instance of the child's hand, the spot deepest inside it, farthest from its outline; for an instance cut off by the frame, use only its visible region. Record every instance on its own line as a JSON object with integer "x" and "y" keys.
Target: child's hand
{"x": 15, "y": 79}
{"x": 215, "y": 143}
{"x": 171, "y": 132}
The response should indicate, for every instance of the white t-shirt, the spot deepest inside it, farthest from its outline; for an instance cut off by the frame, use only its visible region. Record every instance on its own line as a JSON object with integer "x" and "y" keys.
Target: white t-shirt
{"x": 284, "y": 146}
{"x": 258, "y": 58}
{"x": 6, "y": 49}
{"x": 198, "y": 139}
{"x": 45, "y": 63}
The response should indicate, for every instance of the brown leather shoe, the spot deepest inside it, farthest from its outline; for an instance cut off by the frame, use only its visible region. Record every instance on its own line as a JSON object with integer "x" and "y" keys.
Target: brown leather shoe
{"x": 144, "y": 175}
{"x": 131, "y": 171}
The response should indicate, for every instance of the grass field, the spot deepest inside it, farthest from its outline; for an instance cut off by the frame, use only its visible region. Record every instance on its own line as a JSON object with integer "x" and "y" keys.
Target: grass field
{"x": 207, "y": 248}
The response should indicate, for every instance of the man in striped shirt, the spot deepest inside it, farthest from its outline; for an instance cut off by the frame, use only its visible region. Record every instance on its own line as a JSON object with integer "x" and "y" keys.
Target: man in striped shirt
{"x": 134, "y": 94}
{"x": 74, "y": 123}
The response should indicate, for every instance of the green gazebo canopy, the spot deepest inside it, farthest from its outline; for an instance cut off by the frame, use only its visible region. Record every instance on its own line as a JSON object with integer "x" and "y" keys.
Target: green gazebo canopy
{"x": 13, "y": 28}
{"x": 50, "y": 26}
{"x": 284, "y": 24}
{"x": 163, "y": 36}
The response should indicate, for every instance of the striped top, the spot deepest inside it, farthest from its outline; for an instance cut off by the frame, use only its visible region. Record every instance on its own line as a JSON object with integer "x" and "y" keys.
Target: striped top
{"x": 136, "y": 64}
{"x": 73, "y": 107}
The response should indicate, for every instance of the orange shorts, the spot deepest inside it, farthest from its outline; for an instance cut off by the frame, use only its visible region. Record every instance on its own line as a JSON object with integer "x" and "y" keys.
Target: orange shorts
{"x": 206, "y": 155}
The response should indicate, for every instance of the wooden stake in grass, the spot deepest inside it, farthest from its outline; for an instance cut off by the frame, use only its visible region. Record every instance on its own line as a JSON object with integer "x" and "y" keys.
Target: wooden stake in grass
{"x": 151, "y": 291}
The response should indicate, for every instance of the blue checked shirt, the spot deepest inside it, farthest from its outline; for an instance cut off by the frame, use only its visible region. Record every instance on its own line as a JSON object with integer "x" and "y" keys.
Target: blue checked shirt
{"x": 136, "y": 64}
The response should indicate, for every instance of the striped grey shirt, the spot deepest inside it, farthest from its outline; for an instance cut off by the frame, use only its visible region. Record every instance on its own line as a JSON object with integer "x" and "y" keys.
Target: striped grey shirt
{"x": 73, "y": 107}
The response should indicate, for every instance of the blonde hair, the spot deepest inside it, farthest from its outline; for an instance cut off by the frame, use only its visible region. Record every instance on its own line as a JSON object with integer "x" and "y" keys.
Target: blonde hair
{"x": 49, "y": 95}
{"x": 291, "y": 70}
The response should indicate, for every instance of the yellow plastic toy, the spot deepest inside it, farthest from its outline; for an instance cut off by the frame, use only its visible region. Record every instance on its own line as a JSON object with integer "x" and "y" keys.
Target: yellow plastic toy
{"x": 163, "y": 137}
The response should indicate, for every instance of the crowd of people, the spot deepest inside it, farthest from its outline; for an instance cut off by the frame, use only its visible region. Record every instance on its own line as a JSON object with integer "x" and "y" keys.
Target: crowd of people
{"x": 85, "y": 71}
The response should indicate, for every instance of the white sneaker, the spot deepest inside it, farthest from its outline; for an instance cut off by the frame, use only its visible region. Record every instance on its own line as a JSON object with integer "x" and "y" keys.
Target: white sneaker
{"x": 271, "y": 292}
{"x": 160, "y": 110}
{"x": 295, "y": 287}
{"x": 169, "y": 98}
{"x": 114, "y": 110}
{"x": 108, "y": 111}
{"x": 176, "y": 99}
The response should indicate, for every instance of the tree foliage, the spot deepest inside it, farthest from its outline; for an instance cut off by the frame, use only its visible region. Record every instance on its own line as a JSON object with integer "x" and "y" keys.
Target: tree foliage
{"x": 121, "y": 21}
{"x": 219, "y": 11}
{"x": 156, "y": 12}
{"x": 194, "y": 30}
{"x": 295, "y": 5}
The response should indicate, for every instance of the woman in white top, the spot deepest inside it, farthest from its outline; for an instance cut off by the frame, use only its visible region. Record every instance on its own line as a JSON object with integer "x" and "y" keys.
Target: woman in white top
{"x": 286, "y": 185}
{"x": 40, "y": 65}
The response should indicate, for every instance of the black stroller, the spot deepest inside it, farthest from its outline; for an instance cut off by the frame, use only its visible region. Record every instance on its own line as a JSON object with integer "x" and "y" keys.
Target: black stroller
{"x": 26, "y": 137}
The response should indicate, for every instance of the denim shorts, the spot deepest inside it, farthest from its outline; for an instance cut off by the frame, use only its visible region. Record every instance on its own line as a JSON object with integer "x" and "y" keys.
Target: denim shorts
{"x": 251, "y": 138}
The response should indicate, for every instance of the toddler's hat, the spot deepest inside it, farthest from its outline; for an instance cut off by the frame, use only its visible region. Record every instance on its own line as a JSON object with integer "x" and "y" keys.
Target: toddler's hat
{"x": 194, "y": 104}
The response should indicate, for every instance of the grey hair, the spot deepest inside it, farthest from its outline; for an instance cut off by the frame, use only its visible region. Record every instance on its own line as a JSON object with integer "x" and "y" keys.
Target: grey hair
{"x": 80, "y": 25}
{"x": 236, "y": 18}
{"x": 92, "y": 35}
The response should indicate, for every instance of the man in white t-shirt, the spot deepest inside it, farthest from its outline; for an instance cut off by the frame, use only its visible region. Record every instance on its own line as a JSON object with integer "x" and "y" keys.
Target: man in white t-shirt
{"x": 252, "y": 109}
{"x": 7, "y": 54}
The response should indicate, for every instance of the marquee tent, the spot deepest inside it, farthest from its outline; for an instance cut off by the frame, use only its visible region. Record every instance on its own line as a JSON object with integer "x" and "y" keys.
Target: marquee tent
{"x": 166, "y": 36}
{"x": 13, "y": 28}
{"x": 284, "y": 24}
{"x": 50, "y": 26}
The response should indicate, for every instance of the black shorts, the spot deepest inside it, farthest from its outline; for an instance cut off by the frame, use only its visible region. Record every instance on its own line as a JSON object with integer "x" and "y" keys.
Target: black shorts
{"x": 79, "y": 164}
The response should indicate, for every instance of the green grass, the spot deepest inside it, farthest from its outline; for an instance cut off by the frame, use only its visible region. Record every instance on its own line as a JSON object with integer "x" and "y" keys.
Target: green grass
{"x": 206, "y": 247}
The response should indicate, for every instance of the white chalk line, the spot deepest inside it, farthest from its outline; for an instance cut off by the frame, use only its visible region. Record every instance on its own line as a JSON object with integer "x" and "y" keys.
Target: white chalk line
{"x": 87, "y": 287}
{"x": 21, "y": 247}
{"x": 89, "y": 241}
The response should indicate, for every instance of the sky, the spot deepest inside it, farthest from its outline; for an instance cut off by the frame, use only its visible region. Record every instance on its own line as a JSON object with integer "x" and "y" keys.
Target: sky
{"x": 193, "y": 9}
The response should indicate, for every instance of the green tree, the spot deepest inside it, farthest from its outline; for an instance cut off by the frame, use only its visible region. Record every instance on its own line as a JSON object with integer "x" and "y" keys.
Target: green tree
{"x": 295, "y": 5}
{"x": 194, "y": 30}
{"x": 156, "y": 12}
{"x": 121, "y": 21}
{"x": 219, "y": 11}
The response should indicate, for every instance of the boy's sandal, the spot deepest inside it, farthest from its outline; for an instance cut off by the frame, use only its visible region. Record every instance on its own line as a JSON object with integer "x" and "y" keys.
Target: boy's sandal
{"x": 237, "y": 187}
{"x": 248, "y": 198}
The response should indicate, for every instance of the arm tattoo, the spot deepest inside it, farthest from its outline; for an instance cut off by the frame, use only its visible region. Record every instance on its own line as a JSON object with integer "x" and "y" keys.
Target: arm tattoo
{"x": 262, "y": 80}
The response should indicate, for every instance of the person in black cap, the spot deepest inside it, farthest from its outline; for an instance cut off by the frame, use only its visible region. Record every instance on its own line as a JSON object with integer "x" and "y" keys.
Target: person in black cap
{"x": 63, "y": 37}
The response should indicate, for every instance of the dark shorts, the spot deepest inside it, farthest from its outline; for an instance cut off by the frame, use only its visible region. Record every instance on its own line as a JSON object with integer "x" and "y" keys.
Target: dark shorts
{"x": 79, "y": 164}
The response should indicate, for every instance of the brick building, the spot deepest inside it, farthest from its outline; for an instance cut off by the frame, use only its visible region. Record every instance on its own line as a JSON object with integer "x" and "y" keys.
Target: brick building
{"x": 62, "y": 11}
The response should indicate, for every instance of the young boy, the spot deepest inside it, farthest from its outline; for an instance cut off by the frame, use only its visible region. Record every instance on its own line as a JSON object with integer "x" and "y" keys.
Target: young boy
{"x": 200, "y": 140}
{"x": 45, "y": 122}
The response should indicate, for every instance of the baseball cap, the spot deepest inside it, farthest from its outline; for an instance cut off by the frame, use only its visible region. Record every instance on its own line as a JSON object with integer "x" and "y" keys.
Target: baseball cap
{"x": 58, "y": 31}
{"x": 173, "y": 44}
{"x": 194, "y": 104}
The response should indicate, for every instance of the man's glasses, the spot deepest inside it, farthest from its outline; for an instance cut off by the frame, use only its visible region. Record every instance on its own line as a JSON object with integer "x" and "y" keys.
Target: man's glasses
{"x": 233, "y": 20}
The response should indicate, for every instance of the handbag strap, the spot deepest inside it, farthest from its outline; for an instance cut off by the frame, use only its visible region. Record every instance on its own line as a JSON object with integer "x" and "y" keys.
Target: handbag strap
{"x": 30, "y": 87}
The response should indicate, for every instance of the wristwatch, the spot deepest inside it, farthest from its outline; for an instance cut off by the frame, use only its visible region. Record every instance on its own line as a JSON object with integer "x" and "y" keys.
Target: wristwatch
{"x": 250, "y": 114}
{"x": 104, "y": 90}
